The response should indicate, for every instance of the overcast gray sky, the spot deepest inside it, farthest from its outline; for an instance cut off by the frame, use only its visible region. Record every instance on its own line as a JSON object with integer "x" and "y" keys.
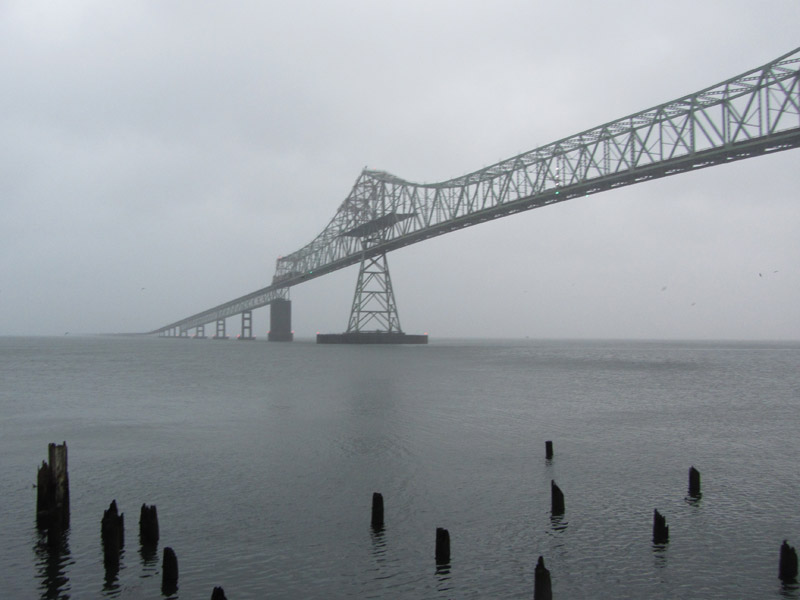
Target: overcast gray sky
{"x": 157, "y": 157}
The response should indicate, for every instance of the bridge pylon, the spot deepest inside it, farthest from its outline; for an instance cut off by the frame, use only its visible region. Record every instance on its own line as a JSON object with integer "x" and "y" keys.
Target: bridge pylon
{"x": 373, "y": 317}
{"x": 373, "y": 301}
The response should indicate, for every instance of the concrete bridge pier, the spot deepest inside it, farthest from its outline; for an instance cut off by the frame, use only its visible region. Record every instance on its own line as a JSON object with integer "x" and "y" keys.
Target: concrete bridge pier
{"x": 200, "y": 332}
{"x": 247, "y": 326}
{"x": 280, "y": 321}
{"x": 220, "y": 335}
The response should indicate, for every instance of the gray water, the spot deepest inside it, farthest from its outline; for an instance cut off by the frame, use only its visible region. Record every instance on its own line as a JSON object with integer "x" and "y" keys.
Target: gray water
{"x": 262, "y": 460}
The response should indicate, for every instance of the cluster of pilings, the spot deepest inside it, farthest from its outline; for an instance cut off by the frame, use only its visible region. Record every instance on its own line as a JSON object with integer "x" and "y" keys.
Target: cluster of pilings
{"x": 112, "y": 535}
{"x": 52, "y": 515}
{"x": 787, "y": 568}
{"x": 542, "y": 588}
{"x": 542, "y": 585}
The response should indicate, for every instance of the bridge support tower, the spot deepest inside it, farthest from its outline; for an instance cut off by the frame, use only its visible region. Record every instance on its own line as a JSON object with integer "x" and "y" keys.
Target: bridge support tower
{"x": 247, "y": 326}
{"x": 373, "y": 317}
{"x": 280, "y": 321}
{"x": 220, "y": 334}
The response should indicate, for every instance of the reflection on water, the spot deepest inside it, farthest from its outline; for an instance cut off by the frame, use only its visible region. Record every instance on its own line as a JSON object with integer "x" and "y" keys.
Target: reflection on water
{"x": 52, "y": 560}
{"x": 113, "y": 562}
{"x": 693, "y": 500}
{"x": 659, "y": 556}
{"x": 558, "y": 523}
{"x": 111, "y": 585}
{"x": 790, "y": 590}
{"x": 443, "y": 577}
{"x": 378, "y": 545}
{"x": 149, "y": 555}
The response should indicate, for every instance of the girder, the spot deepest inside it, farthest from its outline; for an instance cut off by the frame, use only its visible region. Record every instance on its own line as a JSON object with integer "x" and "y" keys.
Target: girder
{"x": 755, "y": 113}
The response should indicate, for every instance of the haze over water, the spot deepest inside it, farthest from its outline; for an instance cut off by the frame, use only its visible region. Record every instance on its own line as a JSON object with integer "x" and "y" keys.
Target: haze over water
{"x": 262, "y": 460}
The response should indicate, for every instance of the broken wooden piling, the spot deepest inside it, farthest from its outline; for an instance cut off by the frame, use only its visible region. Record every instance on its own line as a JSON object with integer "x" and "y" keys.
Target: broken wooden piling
{"x": 218, "y": 594}
{"x": 52, "y": 494}
{"x": 169, "y": 572}
{"x": 694, "y": 482}
{"x": 548, "y": 449}
{"x": 377, "y": 511}
{"x": 542, "y": 587}
{"x": 787, "y": 567}
{"x": 556, "y": 499}
{"x": 112, "y": 533}
{"x": 148, "y": 525}
{"x": 660, "y": 528}
{"x": 442, "y": 546}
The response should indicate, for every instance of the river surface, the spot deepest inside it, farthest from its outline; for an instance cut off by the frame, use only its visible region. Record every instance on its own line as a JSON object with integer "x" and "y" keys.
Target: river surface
{"x": 262, "y": 459}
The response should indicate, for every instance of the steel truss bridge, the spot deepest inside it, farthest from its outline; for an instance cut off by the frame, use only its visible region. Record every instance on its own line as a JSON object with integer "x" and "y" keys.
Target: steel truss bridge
{"x": 752, "y": 114}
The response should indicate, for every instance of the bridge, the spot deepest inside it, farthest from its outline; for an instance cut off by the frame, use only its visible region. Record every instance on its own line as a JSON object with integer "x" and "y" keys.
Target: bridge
{"x": 752, "y": 114}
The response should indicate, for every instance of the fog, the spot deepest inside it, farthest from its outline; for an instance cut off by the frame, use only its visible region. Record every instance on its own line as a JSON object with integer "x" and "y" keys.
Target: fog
{"x": 157, "y": 157}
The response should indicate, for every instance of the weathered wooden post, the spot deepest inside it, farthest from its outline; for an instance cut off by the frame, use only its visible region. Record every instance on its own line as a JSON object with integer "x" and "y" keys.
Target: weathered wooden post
{"x": 52, "y": 494}
{"x": 542, "y": 587}
{"x": 660, "y": 528}
{"x": 548, "y": 449}
{"x": 787, "y": 568}
{"x": 377, "y": 511}
{"x": 169, "y": 572}
{"x": 556, "y": 499}
{"x": 442, "y": 546}
{"x": 148, "y": 525}
{"x": 694, "y": 482}
{"x": 218, "y": 594}
{"x": 112, "y": 532}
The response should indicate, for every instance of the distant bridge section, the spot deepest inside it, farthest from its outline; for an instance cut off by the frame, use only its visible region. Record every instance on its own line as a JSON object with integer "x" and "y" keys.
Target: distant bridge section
{"x": 752, "y": 114}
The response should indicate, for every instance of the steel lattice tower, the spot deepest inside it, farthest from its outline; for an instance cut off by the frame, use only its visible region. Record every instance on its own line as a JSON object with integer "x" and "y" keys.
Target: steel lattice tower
{"x": 374, "y": 307}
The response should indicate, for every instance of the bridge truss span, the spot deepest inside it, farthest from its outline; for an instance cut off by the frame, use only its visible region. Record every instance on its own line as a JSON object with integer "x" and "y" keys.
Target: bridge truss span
{"x": 755, "y": 113}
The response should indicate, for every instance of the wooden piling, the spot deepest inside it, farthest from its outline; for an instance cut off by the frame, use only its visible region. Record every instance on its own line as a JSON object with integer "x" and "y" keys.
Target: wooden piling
{"x": 112, "y": 533}
{"x": 169, "y": 572}
{"x": 542, "y": 587}
{"x": 548, "y": 449}
{"x": 377, "y": 511}
{"x": 556, "y": 499}
{"x": 52, "y": 495}
{"x": 148, "y": 525}
{"x": 218, "y": 594}
{"x": 660, "y": 528}
{"x": 787, "y": 568}
{"x": 442, "y": 546}
{"x": 43, "y": 493}
{"x": 694, "y": 482}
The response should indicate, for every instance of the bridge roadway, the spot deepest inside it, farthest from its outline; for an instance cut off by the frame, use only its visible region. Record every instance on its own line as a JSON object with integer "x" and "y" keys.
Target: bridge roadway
{"x": 752, "y": 114}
